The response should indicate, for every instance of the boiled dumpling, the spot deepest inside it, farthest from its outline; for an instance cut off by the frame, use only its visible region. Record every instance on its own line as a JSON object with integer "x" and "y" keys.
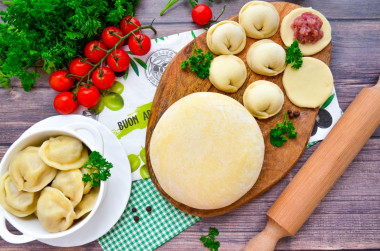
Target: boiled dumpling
{"x": 267, "y": 58}
{"x": 226, "y": 38}
{"x": 55, "y": 212}
{"x": 64, "y": 153}
{"x": 70, "y": 184}
{"x": 259, "y": 19}
{"x": 263, "y": 99}
{"x": 87, "y": 204}
{"x": 227, "y": 73}
{"x": 86, "y": 186}
{"x": 28, "y": 172}
{"x": 18, "y": 203}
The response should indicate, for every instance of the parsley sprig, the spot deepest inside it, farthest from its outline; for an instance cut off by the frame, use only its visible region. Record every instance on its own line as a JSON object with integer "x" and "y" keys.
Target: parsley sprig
{"x": 99, "y": 169}
{"x": 200, "y": 63}
{"x": 294, "y": 55}
{"x": 209, "y": 240}
{"x": 277, "y": 135}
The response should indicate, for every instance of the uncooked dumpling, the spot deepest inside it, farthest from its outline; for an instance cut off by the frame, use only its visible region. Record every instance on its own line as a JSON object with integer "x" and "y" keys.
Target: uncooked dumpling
{"x": 207, "y": 150}
{"x": 267, "y": 58}
{"x": 70, "y": 184}
{"x": 87, "y": 203}
{"x": 227, "y": 73}
{"x": 259, "y": 19}
{"x": 55, "y": 212}
{"x": 287, "y": 33}
{"x": 226, "y": 38}
{"x": 18, "y": 203}
{"x": 263, "y": 99}
{"x": 64, "y": 153}
{"x": 28, "y": 172}
{"x": 310, "y": 85}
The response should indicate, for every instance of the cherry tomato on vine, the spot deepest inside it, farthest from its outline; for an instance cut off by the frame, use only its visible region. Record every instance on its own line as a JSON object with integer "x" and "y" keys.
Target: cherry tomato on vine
{"x": 139, "y": 45}
{"x": 60, "y": 82}
{"x": 128, "y": 24}
{"x": 64, "y": 103}
{"x": 88, "y": 97}
{"x": 118, "y": 60}
{"x": 201, "y": 14}
{"x": 95, "y": 51}
{"x": 103, "y": 77}
{"x": 79, "y": 67}
{"x": 110, "y": 39}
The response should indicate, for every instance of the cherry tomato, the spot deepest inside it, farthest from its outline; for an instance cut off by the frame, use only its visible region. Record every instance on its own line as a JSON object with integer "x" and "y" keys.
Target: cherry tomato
{"x": 201, "y": 14}
{"x": 60, "y": 82}
{"x": 109, "y": 39}
{"x": 79, "y": 67}
{"x": 118, "y": 60}
{"x": 136, "y": 48}
{"x": 103, "y": 77}
{"x": 88, "y": 97}
{"x": 128, "y": 24}
{"x": 64, "y": 103}
{"x": 93, "y": 53}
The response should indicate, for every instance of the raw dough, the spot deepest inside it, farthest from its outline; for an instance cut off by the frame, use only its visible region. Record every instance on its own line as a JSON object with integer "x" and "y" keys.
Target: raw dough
{"x": 227, "y": 73}
{"x": 207, "y": 150}
{"x": 310, "y": 85}
{"x": 226, "y": 38}
{"x": 287, "y": 33}
{"x": 267, "y": 58}
{"x": 259, "y": 19}
{"x": 263, "y": 99}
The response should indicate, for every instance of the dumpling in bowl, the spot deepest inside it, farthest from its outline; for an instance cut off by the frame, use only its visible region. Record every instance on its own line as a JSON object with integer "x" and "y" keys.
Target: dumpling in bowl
{"x": 266, "y": 57}
{"x": 70, "y": 184}
{"x": 86, "y": 186}
{"x": 18, "y": 203}
{"x": 28, "y": 172}
{"x": 87, "y": 204}
{"x": 55, "y": 212}
{"x": 64, "y": 153}
{"x": 259, "y": 19}
{"x": 226, "y": 38}
{"x": 227, "y": 73}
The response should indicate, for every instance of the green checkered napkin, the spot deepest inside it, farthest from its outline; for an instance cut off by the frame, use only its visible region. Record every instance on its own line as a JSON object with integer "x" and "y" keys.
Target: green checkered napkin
{"x": 154, "y": 228}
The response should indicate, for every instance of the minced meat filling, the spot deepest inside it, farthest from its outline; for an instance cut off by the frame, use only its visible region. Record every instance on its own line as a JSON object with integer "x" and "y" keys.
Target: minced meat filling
{"x": 307, "y": 28}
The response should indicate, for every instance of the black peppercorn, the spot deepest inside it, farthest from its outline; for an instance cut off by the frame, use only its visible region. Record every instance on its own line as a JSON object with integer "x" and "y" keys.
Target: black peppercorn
{"x": 134, "y": 210}
{"x": 136, "y": 219}
{"x": 149, "y": 209}
{"x": 296, "y": 114}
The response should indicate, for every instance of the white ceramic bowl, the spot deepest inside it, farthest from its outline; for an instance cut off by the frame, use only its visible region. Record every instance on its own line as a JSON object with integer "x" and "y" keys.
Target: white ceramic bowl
{"x": 30, "y": 227}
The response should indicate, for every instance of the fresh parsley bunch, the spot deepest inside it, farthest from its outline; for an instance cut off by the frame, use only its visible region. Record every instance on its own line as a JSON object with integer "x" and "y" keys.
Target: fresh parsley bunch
{"x": 294, "y": 55}
{"x": 55, "y": 31}
{"x": 277, "y": 135}
{"x": 99, "y": 169}
{"x": 209, "y": 240}
{"x": 200, "y": 63}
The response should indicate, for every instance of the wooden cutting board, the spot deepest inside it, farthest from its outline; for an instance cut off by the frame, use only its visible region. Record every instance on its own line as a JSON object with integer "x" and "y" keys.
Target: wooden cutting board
{"x": 177, "y": 83}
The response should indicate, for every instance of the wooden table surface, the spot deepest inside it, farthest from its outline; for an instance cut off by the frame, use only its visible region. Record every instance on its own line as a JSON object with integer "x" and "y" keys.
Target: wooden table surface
{"x": 349, "y": 216}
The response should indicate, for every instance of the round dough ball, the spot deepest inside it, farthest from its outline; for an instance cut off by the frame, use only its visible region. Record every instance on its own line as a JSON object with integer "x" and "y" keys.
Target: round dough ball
{"x": 207, "y": 150}
{"x": 259, "y": 19}
{"x": 287, "y": 33}
{"x": 226, "y": 38}
{"x": 227, "y": 73}
{"x": 263, "y": 99}
{"x": 310, "y": 85}
{"x": 266, "y": 57}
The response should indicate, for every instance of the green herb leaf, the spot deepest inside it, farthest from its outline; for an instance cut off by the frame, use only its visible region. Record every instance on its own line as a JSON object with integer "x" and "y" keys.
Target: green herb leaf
{"x": 99, "y": 169}
{"x": 209, "y": 240}
{"x": 328, "y": 101}
{"x": 140, "y": 62}
{"x": 294, "y": 55}
{"x": 134, "y": 67}
{"x": 277, "y": 135}
{"x": 200, "y": 64}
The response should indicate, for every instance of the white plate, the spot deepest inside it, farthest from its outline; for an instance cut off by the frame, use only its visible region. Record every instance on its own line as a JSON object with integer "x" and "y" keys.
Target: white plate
{"x": 118, "y": 186}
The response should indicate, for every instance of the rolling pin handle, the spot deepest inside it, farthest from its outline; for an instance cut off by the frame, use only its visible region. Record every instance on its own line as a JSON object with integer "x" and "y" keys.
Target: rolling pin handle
{"x": 268, "y": 238}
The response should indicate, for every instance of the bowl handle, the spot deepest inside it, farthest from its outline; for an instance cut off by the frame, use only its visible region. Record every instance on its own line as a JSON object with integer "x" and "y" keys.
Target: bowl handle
{"x": 96, "y": 135}
{"x": 12, "y": 238}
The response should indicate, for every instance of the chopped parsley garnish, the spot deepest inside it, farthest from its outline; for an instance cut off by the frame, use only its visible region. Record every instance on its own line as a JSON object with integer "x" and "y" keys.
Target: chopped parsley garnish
{"x": 294, "y": 55}
{"x": 209, "y": 240}
{"x": 200, "y": 63}
{"x": 99, "y": 169}
{"x": 277, "y": 135}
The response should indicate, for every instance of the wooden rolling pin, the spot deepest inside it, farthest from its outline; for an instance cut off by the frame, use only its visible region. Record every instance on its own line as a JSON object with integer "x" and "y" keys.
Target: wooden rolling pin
{"x": 324, "y": 167}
